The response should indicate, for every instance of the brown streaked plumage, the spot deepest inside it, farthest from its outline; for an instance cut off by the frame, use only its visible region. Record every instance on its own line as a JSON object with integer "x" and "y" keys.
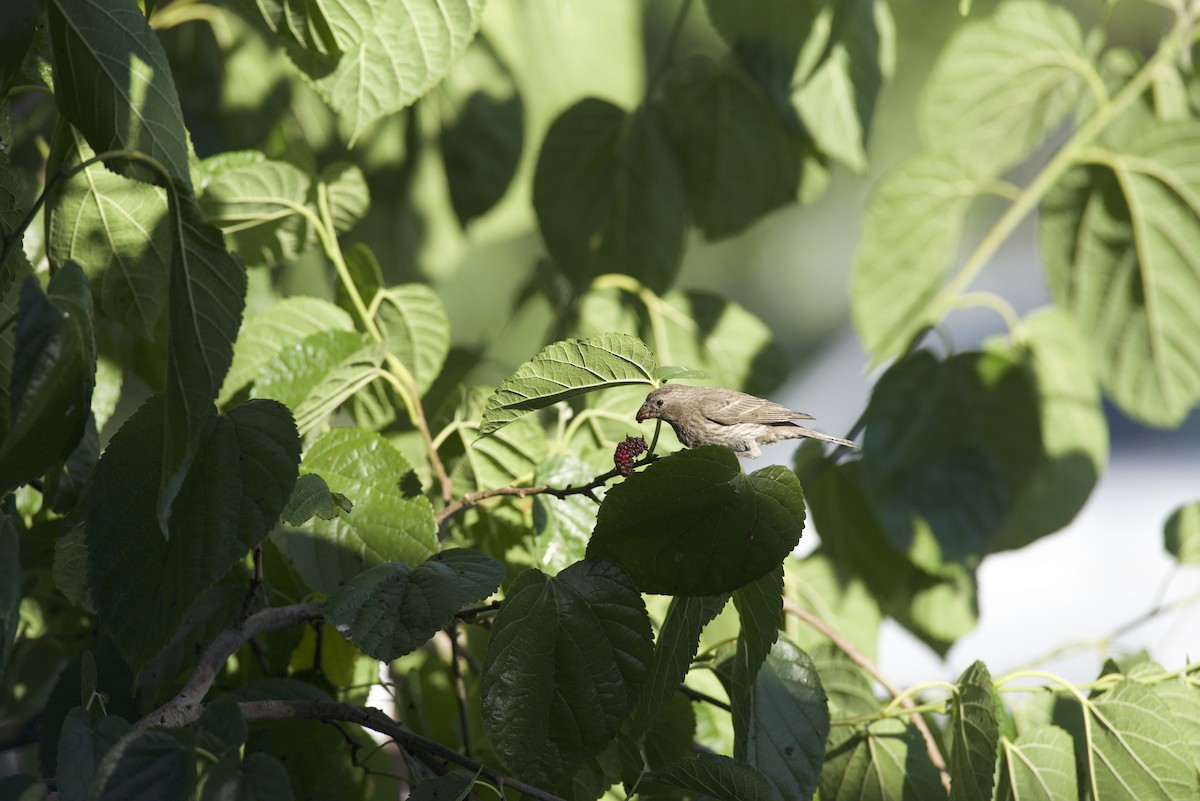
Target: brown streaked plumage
{"x": 719, "y": 416}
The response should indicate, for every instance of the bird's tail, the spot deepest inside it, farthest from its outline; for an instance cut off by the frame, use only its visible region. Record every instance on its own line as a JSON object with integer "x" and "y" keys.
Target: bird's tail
{"x": 808, "y": 432}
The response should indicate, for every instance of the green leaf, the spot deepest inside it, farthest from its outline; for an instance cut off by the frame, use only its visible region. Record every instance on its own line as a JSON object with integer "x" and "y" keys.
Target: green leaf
{"x": 113, "y": 82}
{"x": 676, "y": 647}
{"x": 239, "y": 481}
{"x": 206, "y": 296}
{"x": 910, "y": 235}
{"x": 609, "y": 196}
{"x": 116, "y": 228}
{"x": 82, "y": 746}
{"x": 567, "y": 658}
{"x": 950, "y": 447}
{"x": 349, "y": 197}
{"x": 847, "y": 687}
{"x": 710, "y": 333}
{"x": 10, "y": 588}
{"x": 347, "y": 380}
{"x": 1181, "y": 534}
{"x": 482, "y": 147}
{"x": 296, "y": 371}
{"x": 15, "y": 40}
{"x": 305, "y": 24}
{"x": 1136, "y": 750}
{"x": 563, "y": 525}
{"x": 365, "y": 273}
{"x": 504, "y": 458}
{"x": 788, "y": 723}
{"x": 1121, "y": 244}
{"x": 417, "y": 331}
{"x": 12, "y": 212}
{"x": 258, "y": 203}
{"x": 1039, "y": 766}
{"x": 145, "y": 764}
{"x": 261, "y": 777}
{"x": 843, "y": 600}
{"x": 454, "y": 786}
{"x": 837, "y": 101}
{"x": 281, "y": 325}
{"x": 391, "y": 609}
{"x": 70, "y": 569}
{"x": 713, "y": 776}
{"x": 385, "y": 526}
{"x": 391, "y": 54}
{"x": 1003, "y": 83}
{"x": 23, "y": 787}
{"x": 883, "y": 761}
{"x": 760, "y": 613}
{"x": 739, "y": 161}
{"x": 53, "y": 374}
{"x": 1074, "y": 432}
{"x": 694, "y": 524}
{"x": 566, "y": 369}
{"x": 974, "y": 735}
{"x": 312, "y": 498}
{"x": 1182, "y": 697}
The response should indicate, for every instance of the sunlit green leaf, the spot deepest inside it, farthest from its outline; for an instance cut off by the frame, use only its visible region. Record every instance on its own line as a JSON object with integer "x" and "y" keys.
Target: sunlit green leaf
{"x": 1181, "y": 535}
{"x": 257, "y": 202}
{"x": 312, "y": 498}
{"x": 566, "y": 369}
{"x": 1002, "y": 83}
{"x": 296, "y": 370}
{"x": 695, "y": 524}
{"x": 974, "y": 735}
{"x": 567, "y": 658}
{"x": 1121, "y": 243}
{"x": 563, "y": 525}
{"x": 1038, "y": 766}
{"x": 413, "y": 320}
{"x": 882, "y": 761}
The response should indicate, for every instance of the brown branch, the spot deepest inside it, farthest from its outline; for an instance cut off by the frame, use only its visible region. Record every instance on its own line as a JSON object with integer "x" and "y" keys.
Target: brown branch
{"x": 435, "y": 461}
{"x": 859, "y": 658}
{"x": 588, "y": 489}
{"x": 696, "y": 695}
{"x": 185, "y": 707}
{"x": 377, "y": 721}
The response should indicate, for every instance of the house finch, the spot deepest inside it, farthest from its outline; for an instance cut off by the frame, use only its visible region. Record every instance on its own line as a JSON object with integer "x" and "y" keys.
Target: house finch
{"x": 719, "y": 416}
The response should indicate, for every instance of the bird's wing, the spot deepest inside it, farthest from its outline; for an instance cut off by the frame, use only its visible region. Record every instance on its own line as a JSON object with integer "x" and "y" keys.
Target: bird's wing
{"x": 749, "y": 409}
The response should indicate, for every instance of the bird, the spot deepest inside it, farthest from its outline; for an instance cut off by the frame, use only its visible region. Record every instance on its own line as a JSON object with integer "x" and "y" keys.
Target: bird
{"x": 720, "y": 416}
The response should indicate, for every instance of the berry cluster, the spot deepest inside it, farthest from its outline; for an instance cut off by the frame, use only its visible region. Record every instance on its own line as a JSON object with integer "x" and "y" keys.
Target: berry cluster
{"x": 625, "y": 453}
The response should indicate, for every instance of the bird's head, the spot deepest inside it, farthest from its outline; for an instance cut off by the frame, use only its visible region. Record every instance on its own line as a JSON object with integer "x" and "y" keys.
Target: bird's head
{"x": 660, "y": 402}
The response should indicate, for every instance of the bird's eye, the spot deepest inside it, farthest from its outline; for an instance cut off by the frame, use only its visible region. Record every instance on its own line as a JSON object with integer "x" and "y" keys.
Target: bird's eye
{"x": 658, "y": 403}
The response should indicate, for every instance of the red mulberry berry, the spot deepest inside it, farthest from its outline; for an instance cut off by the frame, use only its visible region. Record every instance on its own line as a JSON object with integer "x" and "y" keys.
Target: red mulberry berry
{"x": 625, "y": 453}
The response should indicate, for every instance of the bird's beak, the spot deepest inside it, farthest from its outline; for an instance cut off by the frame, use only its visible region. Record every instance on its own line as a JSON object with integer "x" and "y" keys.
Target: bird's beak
{"x": 642, "y": 414}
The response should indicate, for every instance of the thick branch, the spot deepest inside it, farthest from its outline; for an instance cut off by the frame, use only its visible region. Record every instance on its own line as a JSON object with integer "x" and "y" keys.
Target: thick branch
{"x": 185, "y": 707}
{"x": 377, "y": 721}
{"x": 860, "y": 659}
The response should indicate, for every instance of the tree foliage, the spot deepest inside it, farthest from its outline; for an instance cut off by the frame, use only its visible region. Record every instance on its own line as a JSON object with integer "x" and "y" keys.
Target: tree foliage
{"x": 248, "y": 461}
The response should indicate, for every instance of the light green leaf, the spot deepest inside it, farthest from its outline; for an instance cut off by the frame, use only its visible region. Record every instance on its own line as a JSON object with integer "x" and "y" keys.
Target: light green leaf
{"x": 53, "y": 373}
{"x": 1074, "y": 433}
{"x": 298, "y": 369}
{"x": 349, "y": 197}
{"x": 849, "y": 690}
{"x": 713, "y": 776}
{"x": 910, "y": 236}
{"x": 258, "y": 203}
{"x": 113, "y": 82}
{"x": 833, "y": 594}
{"x": 312, "y": 498}
{"x": 391, "y": 54}
{"x": 882, "y": 761}
{"x": 788, "y": 723}
{"x": 347, "y": 379}
{"x": 385, "y": 526}
{"x": 1182, "y": 697}
{"x": 563, "y": 525}
{"x": 676, "y": 647}
{"x": 974, "y": 734}
{"x": 566, "y": 369}
{"x": 609, "y": 196}
{"x": 145, "y": 764}
{"x": 305, "y": 23}
{"x": 238, "y": 483}
{"x": 1039, "y": 766}
{"x": 694, "y": 524}
{"x": 1002, "y": 83}
{"x": 206, "y": 296}
{"x": 1136, "y": 749}
{"x": 265, "y": 335}
{"x": 509, "y": 456}
{"x": 1181, "y": 534}
{"x": 117, "y": 229}
{"x": 739, "y": 160}
{"x": 391, "y": 609}
{"x": 567, "y": 658}
{"x": 413, "y": 320}
{"x": 1121, "y": 243}
{"x": 837, "y": 102}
